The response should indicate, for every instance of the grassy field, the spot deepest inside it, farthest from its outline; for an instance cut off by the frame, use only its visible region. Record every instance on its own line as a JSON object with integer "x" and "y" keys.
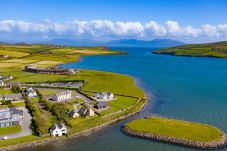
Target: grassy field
{"x": 176, "y": 128}
{"x": 17, "y": 104}
{"x": 10, "y": 130}
{"x": 197, "y": 50}
{"x": 21, "y": 140}
{"x": 5, "y": 91}
{"x": 42, "y": 55}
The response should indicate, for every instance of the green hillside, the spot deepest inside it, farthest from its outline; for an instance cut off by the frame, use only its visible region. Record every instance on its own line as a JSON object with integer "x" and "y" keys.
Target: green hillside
{"x": 217, "y": 49}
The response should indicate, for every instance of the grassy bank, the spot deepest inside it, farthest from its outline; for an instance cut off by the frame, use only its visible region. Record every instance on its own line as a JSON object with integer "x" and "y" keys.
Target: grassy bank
{"x": 10, "y": 130}
{"x": 177, "y": 129}
{"x": 218, "y": 49}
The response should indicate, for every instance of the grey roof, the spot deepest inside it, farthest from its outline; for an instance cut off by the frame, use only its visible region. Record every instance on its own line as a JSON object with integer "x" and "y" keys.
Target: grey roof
{"x": 58, "y": 126}
{"x": 82, "y": 111}
{"x": 72, "y": 112}
{"x": 14, "y": 96}
{"x": 9, "y": 114}
{"x": 101, "y": 104}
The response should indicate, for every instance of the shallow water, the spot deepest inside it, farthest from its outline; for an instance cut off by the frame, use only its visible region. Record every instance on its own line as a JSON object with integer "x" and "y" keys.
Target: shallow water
{"x": 187, "y": 88}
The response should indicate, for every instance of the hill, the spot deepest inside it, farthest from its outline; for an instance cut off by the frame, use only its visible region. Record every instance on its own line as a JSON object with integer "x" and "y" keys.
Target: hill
{"x": 161, "y": 43}
{"x": 217, "y": 49}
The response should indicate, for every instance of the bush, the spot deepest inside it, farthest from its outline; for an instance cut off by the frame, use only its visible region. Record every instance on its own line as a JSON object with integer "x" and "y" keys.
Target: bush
{"x": 15, "y": 89}
{"x": 6, "y": 102}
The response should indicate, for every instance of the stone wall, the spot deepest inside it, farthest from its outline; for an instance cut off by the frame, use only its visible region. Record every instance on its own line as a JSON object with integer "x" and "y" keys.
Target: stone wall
{"x": 179, "y": 141}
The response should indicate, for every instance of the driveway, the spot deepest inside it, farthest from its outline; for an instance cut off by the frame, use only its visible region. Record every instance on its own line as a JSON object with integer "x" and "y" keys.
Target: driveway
{"x": 25, "y": 123}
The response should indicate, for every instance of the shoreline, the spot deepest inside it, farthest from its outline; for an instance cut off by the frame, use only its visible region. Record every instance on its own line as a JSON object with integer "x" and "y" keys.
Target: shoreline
{"x": 47, "y": 140}
{"x": 178, "y": 141}
{"x": 75, "y": 135}
{"x": 173, "y": 54}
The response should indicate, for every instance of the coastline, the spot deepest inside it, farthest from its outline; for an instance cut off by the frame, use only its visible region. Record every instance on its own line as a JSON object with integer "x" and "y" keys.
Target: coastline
{"x": 212, "y": 145}
{"x": 85, "y": 132}
{"x": 173, "y": 54}
{"x": 75, "y": 135}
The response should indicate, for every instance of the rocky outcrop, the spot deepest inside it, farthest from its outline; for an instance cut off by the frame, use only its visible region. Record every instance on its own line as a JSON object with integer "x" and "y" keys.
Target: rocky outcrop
{"x": 179, "y": 141}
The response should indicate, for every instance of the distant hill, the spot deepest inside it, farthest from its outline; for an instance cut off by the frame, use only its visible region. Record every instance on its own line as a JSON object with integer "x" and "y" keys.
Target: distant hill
{"x": 216, "y": 49}
{"x": 161, "y": 43}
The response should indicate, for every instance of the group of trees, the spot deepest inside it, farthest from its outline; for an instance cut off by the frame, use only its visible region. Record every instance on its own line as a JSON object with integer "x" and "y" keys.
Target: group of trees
{"x": 60, "y": 110}
{"x": 40, "y": 122}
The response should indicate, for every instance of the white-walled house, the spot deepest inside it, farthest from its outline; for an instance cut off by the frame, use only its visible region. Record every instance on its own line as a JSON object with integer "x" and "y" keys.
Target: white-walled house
{"x": 2, "y": 83}
{"x": 58, "y": 130}
{"x": 86, "y": 112}
{"x": 74, "y": 114}
{"x": 30, "y": 92}
{"x": 103, "y": 96}
{"x": 64, "y": 95}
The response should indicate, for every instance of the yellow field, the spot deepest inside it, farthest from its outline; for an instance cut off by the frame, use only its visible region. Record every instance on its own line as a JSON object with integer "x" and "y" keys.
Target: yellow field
{"x": 15, "y": 54}
{"x": 7, "y": 64}
{"x": 24, "y": 61}
{"x": 91, "y": 52}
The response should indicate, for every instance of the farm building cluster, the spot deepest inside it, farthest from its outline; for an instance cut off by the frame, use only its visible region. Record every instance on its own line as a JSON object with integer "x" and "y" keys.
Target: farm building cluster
{"x": 54, "y": 70}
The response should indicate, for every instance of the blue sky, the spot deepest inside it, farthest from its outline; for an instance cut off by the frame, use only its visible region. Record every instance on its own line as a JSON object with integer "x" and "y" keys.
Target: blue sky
{"x": 187, "y": 20}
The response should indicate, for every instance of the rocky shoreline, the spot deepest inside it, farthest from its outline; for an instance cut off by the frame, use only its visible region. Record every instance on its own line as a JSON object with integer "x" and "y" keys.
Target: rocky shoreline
{"x": 84, "y": 133}
{"x": 179, "y": 141}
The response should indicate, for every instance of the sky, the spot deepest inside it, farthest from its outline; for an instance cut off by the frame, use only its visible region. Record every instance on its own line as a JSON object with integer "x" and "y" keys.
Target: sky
{"x": 191, "y": 21}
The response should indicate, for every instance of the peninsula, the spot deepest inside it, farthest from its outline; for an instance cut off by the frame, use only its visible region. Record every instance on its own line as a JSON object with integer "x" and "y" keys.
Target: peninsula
{"x": 43, "y": 102}
{"x": 217, "y": 49}
{"x": 195, "y": 135}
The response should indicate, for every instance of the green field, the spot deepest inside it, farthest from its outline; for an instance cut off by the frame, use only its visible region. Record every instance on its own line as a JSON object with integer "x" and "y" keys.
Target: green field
{"x": 5, "y": 91}
{"x": 197, "y": 50}
{"x": 176, "y": 128}
{"x": 10, "y": 130}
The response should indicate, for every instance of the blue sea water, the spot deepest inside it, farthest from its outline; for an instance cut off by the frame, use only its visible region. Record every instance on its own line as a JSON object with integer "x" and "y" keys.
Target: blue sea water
{"x": 187, "y": 88}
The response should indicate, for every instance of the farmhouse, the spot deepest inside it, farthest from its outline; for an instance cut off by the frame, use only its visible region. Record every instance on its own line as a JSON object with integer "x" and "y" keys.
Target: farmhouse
{"x": 10, "y": 116}
{"x": 30, "y": 92}
{"x": 58, "y": 130}
{"x": 104, "y": 96}
{"x": 50, "y": 70}
{"x": 64, "y": 95}
{"x": 86, "y": 112}
{"x": 13, "y": 96}
{"x": 74, "y": 114}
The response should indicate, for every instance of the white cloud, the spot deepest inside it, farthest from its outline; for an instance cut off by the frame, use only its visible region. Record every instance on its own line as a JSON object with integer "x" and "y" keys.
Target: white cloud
{"x": 102, "y": 29}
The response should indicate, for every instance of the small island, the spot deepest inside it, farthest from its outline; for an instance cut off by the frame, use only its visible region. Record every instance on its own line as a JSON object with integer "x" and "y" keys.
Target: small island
{"x": 195, "y": 135}
{"x": 217, "y": 50}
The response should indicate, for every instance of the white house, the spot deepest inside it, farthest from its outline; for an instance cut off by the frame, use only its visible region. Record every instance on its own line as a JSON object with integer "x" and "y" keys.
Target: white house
{"x": 64, "y": 95}
{"x": 58, "y": 130}
{"x": 90, "y": 112}
{"x": 2, "y": 83}
{"x": 74, "y": 114}
{"x": 30, "y": 92}
{"x": 104, "y": 96}
{"x": 86, "y": 112}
